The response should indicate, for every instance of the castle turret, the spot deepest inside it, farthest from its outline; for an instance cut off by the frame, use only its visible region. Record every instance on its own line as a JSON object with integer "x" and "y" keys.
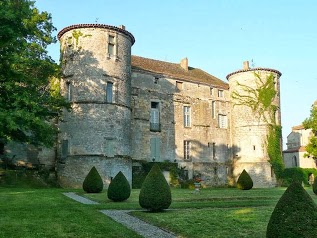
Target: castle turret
{"x": 255, "y": 108}
{"x": 96, "y": 79}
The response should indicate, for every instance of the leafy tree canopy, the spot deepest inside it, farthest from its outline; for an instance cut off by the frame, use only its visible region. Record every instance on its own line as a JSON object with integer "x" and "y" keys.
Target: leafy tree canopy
{"x": 311, "y": 123}
{"x": 29, "y": 98}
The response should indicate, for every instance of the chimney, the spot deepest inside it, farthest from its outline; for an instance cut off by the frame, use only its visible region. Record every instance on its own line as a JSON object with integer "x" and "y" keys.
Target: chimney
{"x": 122, "y": 27}
{"x": 184, "y": 63}
{"x": 246, "y": 65}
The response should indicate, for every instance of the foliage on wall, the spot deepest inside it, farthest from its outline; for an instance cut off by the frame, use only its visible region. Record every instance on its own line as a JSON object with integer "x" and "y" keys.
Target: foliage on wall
{"x": 261, "y": 101}
{"x": 311, "y": 123}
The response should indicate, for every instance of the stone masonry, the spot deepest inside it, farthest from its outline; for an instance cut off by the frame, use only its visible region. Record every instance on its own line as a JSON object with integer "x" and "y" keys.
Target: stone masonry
{"x": 127, "y": 109}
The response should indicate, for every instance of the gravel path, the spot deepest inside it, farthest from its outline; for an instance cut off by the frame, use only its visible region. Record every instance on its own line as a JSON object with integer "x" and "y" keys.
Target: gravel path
{"x": 144, "y": 229}
{"x": 80, "y": 198}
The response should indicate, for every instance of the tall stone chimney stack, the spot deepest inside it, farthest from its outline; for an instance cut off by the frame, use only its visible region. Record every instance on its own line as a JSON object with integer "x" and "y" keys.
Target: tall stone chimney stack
{"x": 184, "y": 63}
{"x": 246, "y": 65}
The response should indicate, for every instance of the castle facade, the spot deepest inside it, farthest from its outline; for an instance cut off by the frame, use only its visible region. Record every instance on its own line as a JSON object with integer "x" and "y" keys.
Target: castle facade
{"x": 127, "y": 109}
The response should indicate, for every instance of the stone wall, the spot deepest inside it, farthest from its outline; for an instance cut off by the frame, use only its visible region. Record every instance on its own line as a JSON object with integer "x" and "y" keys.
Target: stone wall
{"x": 74, "y": 171}
{"x": 250, "y": 129}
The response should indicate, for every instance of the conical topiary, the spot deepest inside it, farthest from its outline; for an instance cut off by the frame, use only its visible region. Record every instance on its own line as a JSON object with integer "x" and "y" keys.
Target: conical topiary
{"x": 155, "y": 194}
{"x": 295, "y": 214}
{"x": 119, "y": 189}
{"x": 244, "y": 181}
{"x": 93, "y": 182}
{"x": 315, "y": 185}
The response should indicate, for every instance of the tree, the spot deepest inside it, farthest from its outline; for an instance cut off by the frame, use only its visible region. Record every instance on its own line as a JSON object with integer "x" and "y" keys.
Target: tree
{"x": 29, "y": 98}
{"x": 311, "y": 123}
{"x": 93, "y": 182}
{"x": 295, "y": 214}
{"x": 244, "y": 181}
{"x": 119, "y": 189}
{"x": 155, "y": 194}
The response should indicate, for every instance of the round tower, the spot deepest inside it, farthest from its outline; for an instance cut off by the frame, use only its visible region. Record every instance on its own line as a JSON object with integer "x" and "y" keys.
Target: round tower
{"x": 255, "y": 108}
{"x": 96, "y": 79}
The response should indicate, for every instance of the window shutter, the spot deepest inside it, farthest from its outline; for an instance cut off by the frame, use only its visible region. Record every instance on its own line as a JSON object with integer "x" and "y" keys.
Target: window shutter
{"x": 64, "y": 149}
{"x": 155, "y": 115}
{"x": 155, "y": 148}
{"x": 158, "y": 149}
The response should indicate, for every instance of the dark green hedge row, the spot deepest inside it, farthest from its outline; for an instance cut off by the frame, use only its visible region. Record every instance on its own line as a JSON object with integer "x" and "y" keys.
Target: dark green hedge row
{"x": 299, "y": 174}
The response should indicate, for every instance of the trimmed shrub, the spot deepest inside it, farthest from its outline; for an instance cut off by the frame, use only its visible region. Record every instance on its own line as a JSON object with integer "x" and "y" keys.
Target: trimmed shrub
{"x": 299, "y": 174}
{"x": 295, "y": 214}
{"x": 315, "y": 186}
{"x": 244, "y": 181}
{"x": 93, "y": 182}
{"x": 155, "y": 194}
{"x": 119, "y": 188}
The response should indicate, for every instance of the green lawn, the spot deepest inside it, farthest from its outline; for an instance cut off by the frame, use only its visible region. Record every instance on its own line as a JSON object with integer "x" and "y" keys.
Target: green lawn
{"x": 211, "y": 213}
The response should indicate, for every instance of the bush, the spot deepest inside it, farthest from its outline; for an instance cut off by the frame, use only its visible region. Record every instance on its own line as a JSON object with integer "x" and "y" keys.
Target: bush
{"x": 315, "y": 186}
{"x": 295, "y": 214}
{"x": 93, "y": 182}
{"x": 244, "y": 181}
{"x": 119, "y": 188}
{"x": 155, "y": 194}
{"x": 299, "y": 174}
{"x": 139, "y": 172}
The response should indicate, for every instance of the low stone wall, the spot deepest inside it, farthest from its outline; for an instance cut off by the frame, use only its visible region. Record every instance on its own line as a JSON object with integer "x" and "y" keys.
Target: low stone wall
{"x": 73, "y": 172}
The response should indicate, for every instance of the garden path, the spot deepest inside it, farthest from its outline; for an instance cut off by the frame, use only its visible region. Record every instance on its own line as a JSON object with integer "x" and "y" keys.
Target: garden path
{"x": 143, "y": 228}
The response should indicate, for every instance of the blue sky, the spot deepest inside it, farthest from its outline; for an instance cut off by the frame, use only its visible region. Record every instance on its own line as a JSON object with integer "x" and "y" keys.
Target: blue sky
{"x": 215, "y": 36}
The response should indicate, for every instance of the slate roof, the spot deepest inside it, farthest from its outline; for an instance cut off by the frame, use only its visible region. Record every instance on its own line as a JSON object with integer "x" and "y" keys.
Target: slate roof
{"x": 174, "y": 70}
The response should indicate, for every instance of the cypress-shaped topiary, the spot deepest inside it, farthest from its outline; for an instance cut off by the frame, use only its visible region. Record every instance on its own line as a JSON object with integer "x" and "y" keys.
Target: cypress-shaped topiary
{"x": 244, "y": 181}
{"x": 155, "y": 194}
{"x": 93, "y": 182}
{"x": 295, "y": 214}
{"x": 119, "y": 189}
{"x": 315, "y": 185}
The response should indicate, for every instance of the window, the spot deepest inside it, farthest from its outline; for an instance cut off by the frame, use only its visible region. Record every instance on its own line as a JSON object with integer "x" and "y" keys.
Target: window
{"x": 109, "y": 147}
{"x": 111, "y": 45}
{"x": 213, "y": 109}
{"x": 294, "y": 161}
{"x": 155, "y": 148}
{"x": 155, "y": 117}
{"x": 212, "y": 149}
{"x": 253, "y": 147}
{"x": 186, "y": 150}
{"x": 179, "y": 85}
{"x": 186, "y": 116}
{"x": 68, "y": 91}
{"x": 109, "y": 92}
{"x": 211, "y": 91}
{"x": 222, "y": 121}
{"x": 65, "y": 150}
{"x": 220, "y": 93}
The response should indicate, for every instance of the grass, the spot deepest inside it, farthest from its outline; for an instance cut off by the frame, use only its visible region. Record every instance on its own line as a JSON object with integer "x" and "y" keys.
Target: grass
{"x": 41, "y": 213}
{"x": 27, "y": 212}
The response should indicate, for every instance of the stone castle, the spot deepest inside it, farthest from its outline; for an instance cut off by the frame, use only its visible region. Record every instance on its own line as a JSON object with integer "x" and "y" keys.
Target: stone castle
{"x": 127, "y": 109}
